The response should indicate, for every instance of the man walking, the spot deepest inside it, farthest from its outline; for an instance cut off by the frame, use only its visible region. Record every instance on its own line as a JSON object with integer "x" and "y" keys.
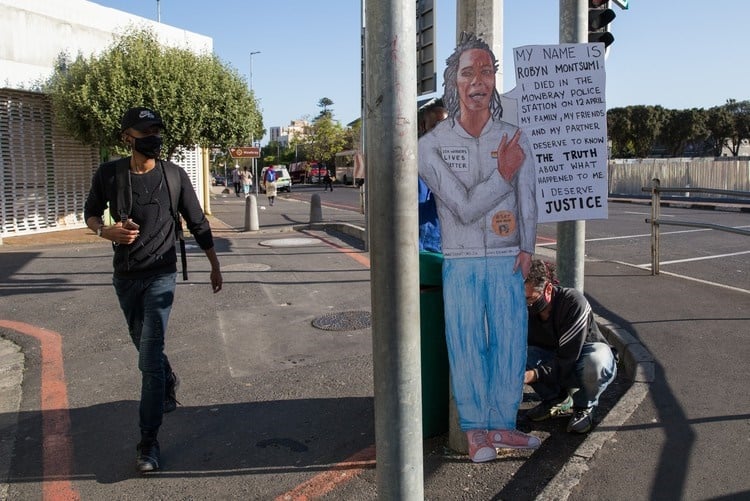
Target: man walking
{"x": 145, "y": 259}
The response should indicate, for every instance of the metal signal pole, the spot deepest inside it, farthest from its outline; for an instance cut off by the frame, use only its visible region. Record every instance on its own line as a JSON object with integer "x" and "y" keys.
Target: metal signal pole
{"x": 391, "y": 153}
{"x": 571, "y": 235}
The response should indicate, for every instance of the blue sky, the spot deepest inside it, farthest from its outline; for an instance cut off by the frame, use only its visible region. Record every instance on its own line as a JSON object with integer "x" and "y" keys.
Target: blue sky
{"x": 675, "y": 53}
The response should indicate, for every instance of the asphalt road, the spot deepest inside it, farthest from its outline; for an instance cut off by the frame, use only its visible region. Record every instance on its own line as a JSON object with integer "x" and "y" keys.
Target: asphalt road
{"x": 270, "y": 402}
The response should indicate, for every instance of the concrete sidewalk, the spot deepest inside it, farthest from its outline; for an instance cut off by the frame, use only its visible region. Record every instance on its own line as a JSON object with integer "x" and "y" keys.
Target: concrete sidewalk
{"x": 667, "y": 437}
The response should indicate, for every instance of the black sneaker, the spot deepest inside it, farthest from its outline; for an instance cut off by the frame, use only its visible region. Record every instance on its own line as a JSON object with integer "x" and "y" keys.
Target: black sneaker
{"x": 582, "y": 420}
{"x": 170, "y": 392}
{"x": 549, "y": 409}
{"x": 148, "y": 456}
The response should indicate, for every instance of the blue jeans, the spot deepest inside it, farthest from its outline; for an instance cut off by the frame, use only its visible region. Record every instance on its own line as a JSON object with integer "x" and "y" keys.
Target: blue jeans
{"x": 485, "y": 328}
{"x": 146, "y": 304}
{"x": 595, "y": 368}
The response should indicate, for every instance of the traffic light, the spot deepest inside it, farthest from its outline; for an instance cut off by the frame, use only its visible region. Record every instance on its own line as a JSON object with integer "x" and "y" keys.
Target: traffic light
{"x": 600, "y": 15}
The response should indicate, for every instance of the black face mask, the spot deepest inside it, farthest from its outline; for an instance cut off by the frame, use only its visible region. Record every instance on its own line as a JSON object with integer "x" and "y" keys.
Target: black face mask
{"x": 538, "y": 306}
{"x": 149, "y": 146}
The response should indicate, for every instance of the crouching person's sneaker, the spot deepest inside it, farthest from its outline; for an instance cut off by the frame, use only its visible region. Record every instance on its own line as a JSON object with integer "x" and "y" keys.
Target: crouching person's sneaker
{"x": 549, "y": 409}
{"x": 170, "y": 392}
{"x": 513, "y": 439}
{"x": 582, "y": 420}
{"x": 148, "y": 458}
{"x": 480, "y": 449}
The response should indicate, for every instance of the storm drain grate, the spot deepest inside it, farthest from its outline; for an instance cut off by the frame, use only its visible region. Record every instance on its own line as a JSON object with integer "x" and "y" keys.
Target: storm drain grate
{"x": 343, "y": 321}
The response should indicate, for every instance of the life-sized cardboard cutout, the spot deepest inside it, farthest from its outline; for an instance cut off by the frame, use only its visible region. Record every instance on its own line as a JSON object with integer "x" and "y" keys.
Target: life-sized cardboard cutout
{"x": 481, "y": 172}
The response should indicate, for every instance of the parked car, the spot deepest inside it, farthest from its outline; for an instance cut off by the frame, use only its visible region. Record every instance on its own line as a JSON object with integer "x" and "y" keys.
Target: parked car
{"x": 283, "y": 179}
{"x": 298, "y": 172}
{"x": 219, "y": 180}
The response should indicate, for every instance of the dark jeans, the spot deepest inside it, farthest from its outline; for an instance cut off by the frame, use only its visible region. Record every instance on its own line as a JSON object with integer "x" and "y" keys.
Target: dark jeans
{"x": 146, "y": 304}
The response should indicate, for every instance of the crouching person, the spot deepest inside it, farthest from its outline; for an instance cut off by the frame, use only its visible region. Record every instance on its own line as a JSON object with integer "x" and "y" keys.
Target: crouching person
{"x": 569, "y": 362}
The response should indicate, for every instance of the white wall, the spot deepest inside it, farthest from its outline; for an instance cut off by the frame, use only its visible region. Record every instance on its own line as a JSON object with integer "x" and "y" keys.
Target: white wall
{"x": 34, "y": 32}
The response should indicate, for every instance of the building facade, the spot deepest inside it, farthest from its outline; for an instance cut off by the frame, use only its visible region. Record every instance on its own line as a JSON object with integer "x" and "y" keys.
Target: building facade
{"x": 44, "y": 173}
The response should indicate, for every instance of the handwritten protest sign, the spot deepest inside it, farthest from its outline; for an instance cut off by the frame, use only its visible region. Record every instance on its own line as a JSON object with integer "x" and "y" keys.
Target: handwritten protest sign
{"x": 560, "y": 93}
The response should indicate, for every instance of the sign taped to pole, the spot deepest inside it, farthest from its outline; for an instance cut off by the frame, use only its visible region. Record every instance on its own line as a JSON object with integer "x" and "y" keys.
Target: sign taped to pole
{"x": 560, "y": 93}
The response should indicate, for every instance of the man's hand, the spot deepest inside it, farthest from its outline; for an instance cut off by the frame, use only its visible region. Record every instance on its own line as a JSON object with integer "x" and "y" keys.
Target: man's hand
{"x": 216, "y": 280}
{"x": 121, "y": 235}
{"x": 523, "y": 262}
{"x": 510, "y": 156}
{"x": 529, "y": 377}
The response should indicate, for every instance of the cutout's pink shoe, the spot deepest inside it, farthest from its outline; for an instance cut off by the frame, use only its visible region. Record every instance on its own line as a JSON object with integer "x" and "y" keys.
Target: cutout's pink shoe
{"x": 480, "y": 449}
{"x": 512, "y": 439}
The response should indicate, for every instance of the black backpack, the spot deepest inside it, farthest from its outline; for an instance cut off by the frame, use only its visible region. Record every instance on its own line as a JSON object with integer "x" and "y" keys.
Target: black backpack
{"x": 125, "y": 199}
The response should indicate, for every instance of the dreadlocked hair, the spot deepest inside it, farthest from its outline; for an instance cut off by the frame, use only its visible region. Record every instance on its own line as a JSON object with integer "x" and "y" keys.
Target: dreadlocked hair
{"x": 451, "y": 100}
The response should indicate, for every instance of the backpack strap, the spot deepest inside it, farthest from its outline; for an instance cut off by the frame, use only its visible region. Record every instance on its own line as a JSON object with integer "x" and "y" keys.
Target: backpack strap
{"x": 174, "y": 187}
{"x": 124, "y": 191}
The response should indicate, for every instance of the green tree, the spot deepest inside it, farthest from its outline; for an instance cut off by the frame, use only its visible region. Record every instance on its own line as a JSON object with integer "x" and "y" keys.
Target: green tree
{"x": 202, "y": 101}
{"x": 620, "y": 132}
{"x": 740, "y": 113}
{"x": 720, "y": 126}
{"x": 324, "y": 104}
{"x": 682, "y": 127}
{"x": 646, "y": 123}
{"x": 325, "y": 138}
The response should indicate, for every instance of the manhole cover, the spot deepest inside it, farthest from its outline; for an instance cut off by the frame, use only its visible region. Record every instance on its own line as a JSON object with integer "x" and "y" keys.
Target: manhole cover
{"x": 290, "y": 242}
{"x": 246, "y": 267}
{"x": 343, "y": 321}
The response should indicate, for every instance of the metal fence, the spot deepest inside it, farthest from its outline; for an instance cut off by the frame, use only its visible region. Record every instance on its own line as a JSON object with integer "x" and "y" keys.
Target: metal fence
{"x": 627, "y": 177}
{"x": 45, "y": 174}
{"x": 656, "y": 190}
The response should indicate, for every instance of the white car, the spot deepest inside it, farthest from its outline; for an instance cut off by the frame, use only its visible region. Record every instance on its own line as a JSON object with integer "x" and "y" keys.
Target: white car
{"x": 283, "y": 179}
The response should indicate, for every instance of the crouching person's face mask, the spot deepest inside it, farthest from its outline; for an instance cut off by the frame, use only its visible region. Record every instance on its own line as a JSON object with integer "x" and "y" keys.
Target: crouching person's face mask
{"x": 539, "y": 305}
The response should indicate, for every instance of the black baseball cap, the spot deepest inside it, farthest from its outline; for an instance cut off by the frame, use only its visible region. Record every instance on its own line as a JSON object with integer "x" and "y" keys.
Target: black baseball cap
{"x": 140, "y": 119}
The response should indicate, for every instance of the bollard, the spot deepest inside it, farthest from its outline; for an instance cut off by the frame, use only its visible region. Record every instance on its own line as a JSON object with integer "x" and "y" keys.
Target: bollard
{"x": 316, "y": 212}
{"x": 251, "y": 213}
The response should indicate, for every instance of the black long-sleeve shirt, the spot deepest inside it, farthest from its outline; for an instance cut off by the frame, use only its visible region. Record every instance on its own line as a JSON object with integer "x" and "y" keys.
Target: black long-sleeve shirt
{"x": 571, "y": 324}
{"x": 153, "y": 252}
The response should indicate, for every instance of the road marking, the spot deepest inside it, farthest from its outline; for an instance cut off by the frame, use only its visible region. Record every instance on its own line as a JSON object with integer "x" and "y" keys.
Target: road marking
{"x": 325, "y": 482}
{"x": 685, "y": 277}
{"x": 702, "y": 258}
{"x": 57, "y": 448}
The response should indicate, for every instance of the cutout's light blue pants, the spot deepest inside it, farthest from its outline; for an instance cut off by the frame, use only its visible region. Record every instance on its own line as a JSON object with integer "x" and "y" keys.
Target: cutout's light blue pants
{"x": 486, "y": 323}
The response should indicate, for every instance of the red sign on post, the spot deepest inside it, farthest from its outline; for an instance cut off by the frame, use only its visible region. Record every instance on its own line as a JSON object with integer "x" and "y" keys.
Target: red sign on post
{"x": 245, "y": 152}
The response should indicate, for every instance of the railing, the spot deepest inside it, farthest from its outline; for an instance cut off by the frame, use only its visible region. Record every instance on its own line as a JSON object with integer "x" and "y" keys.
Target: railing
{"x": 656, "y": 190}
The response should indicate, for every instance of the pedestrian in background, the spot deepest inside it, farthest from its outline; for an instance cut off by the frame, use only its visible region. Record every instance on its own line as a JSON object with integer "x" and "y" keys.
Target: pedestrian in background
{"x": 327, "y": 181}
{"x": 567, "y": 354}
{"x": 247, "y": 181}
{"x": 145, "y": 260}
{"x": 237, "y": 180}
{"x": 270, "y": 180}
{"x": 429, "y": 225}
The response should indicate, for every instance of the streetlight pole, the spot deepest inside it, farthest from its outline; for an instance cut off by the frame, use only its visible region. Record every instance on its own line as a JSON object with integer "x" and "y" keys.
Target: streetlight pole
{"x": 251, "y": 68}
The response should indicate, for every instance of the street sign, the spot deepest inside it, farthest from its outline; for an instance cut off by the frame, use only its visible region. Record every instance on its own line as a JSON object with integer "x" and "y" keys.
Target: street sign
{"x": 245, "y": 152}
{"x": 623, "y": 4}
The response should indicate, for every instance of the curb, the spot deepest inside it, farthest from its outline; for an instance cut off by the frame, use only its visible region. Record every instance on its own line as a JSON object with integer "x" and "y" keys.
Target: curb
{"x": 12, "y": 362}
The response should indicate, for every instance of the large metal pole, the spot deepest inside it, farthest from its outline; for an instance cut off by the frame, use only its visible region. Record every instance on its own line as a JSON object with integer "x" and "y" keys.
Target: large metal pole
{"x": 571, "y": 235}
{"x": 485, "y": 19}
{"x": 391, "y": 152}
{"x": 363, "y": 129}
